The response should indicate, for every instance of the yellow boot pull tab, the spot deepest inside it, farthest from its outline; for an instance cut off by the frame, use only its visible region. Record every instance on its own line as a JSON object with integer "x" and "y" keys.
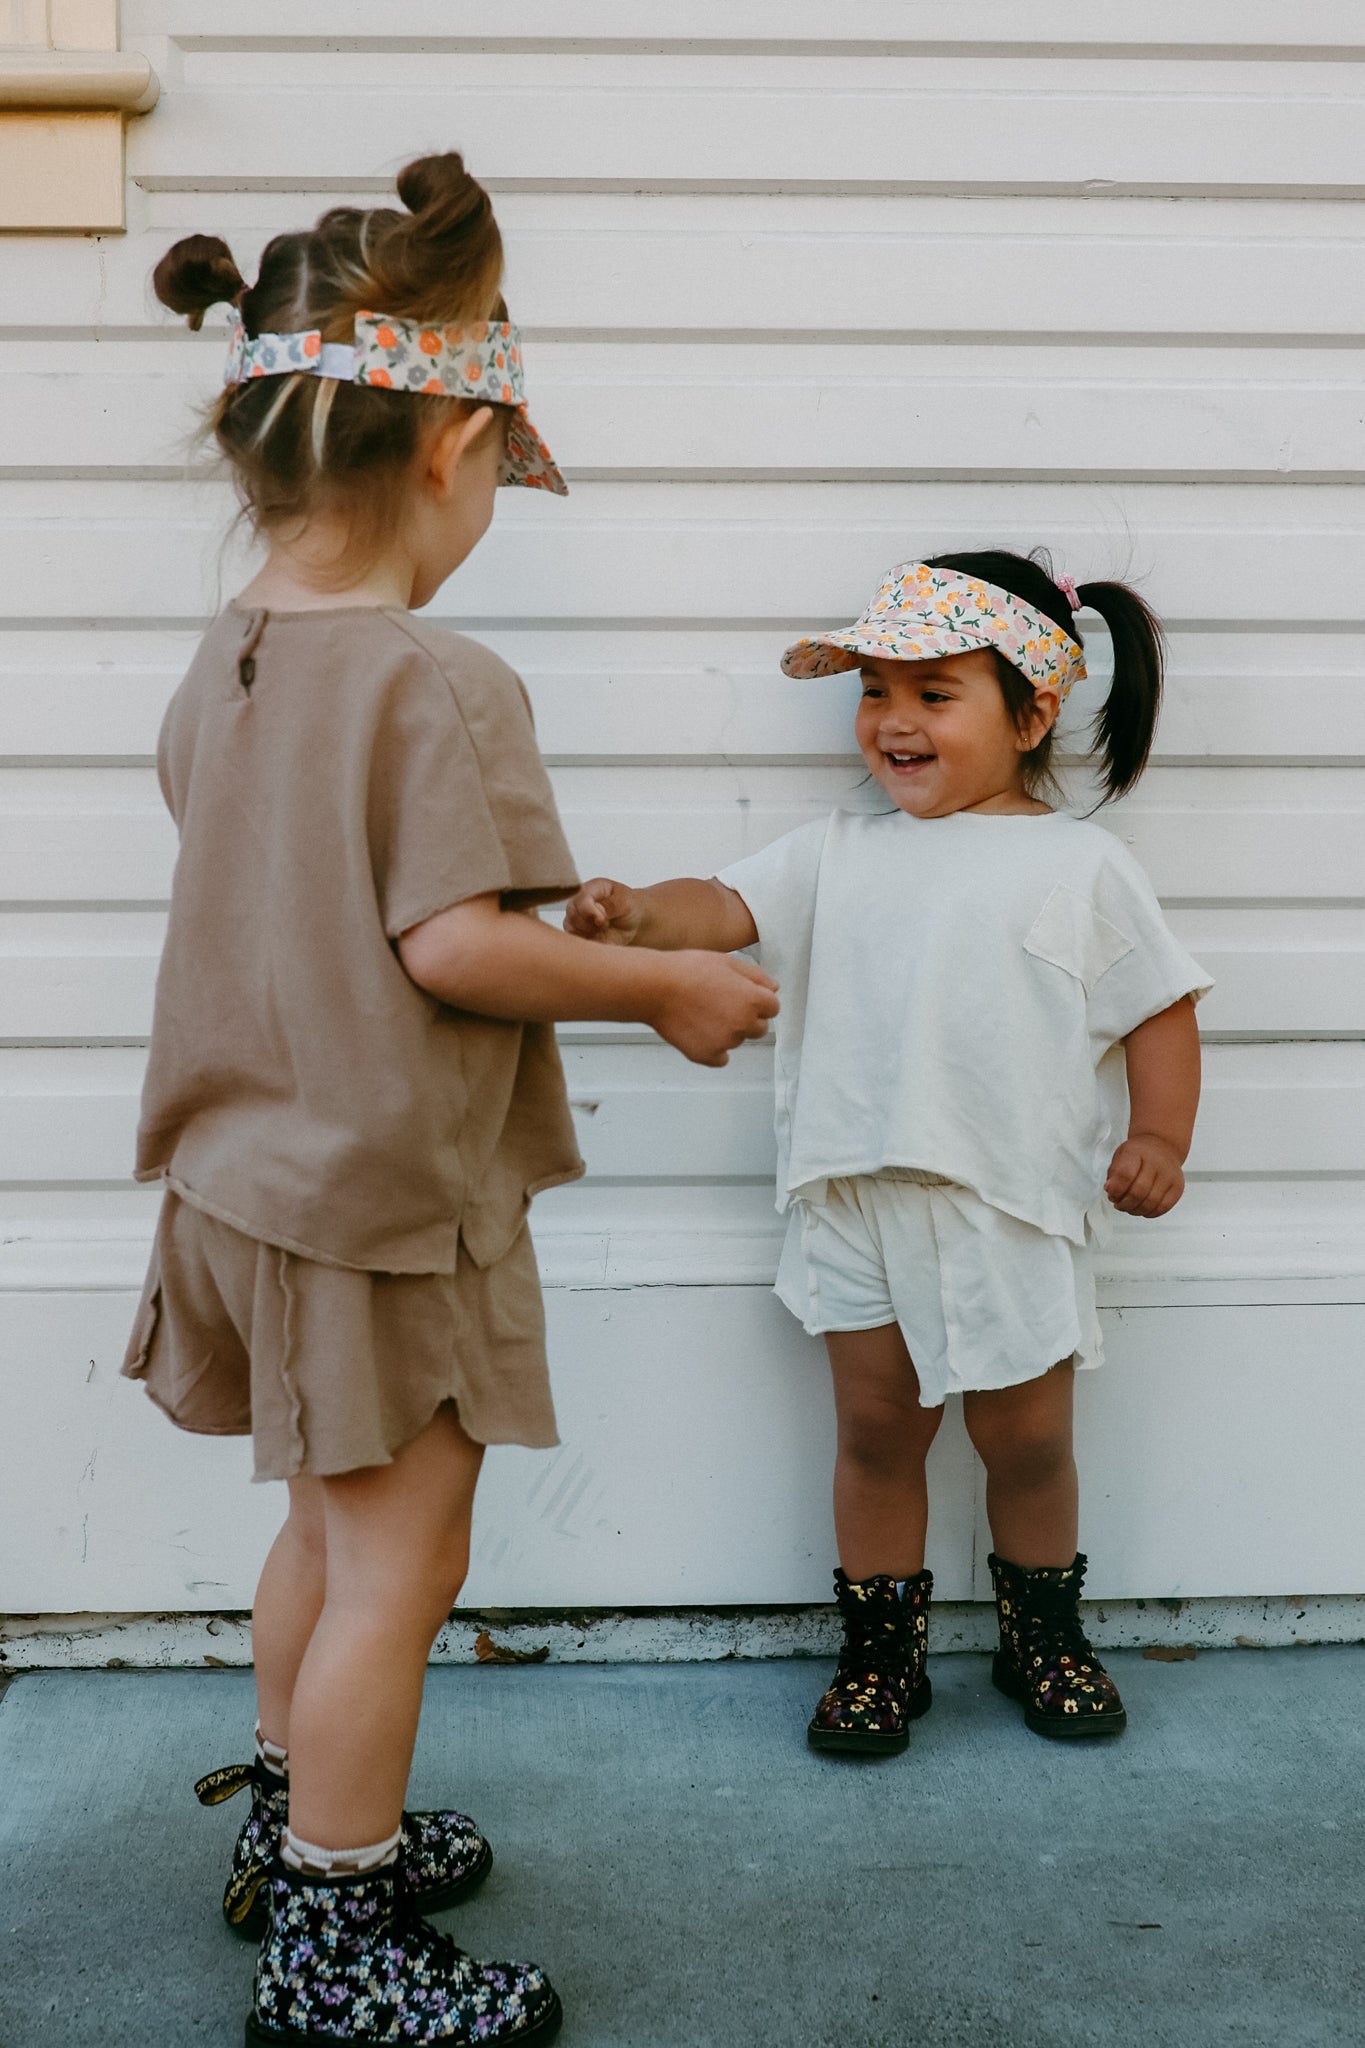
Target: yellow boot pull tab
{"x": 242, "y": 1893}
{"x": 224, "y": 1784}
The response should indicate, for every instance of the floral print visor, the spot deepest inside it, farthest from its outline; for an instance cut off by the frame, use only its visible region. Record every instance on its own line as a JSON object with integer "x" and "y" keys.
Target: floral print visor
{"x": 920, "y": 613}
{"x": 479, "y": 363}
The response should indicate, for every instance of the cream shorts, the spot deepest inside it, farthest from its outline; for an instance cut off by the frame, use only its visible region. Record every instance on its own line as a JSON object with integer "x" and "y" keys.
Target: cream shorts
{"x": 982, "y": 1299}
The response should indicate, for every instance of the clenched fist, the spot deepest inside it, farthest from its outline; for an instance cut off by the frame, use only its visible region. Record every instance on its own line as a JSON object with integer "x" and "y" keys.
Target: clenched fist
{"x": 604, "y": 910}
{"x": 1145, "y": 1176}
{"x": 709, "y": 1003}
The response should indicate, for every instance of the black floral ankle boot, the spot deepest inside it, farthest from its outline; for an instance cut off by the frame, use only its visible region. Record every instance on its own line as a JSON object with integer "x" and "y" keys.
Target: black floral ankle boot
{"x": 443, "y": 1856}
{"x": 351, "y": 1961}
{"x": 1044, "y": 1659}
{"x": 881, "y": 1685}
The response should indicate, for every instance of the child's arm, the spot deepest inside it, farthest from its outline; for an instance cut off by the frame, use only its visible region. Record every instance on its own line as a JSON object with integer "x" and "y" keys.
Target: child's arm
{"x": 1145, "y": 1177}
{"x": 669, "y": 916}
{"x": 501, "y": 963}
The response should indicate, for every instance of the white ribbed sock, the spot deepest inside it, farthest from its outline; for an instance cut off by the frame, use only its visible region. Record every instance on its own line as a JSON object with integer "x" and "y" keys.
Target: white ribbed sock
{"x": 315, "y": 1862}
{"x": 275, "y": 1759}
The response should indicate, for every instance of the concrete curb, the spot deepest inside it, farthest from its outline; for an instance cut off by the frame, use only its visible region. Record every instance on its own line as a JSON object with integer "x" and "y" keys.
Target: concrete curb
{"x": 152, "y": 1642}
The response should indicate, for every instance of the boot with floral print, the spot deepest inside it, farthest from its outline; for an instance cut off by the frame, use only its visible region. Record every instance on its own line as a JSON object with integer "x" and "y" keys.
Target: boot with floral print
{"x": 443, "y": 1855}
{"x": 1044, "y": 1659}
{"x": 881, "y": 1685}
{"x": 350, "y": 1961}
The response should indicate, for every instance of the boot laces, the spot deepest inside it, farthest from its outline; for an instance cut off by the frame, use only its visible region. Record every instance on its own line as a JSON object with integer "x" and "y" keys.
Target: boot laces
{"x": 417, "y": 1934}
{"x": 868, "y": 1642}
{"x": 1057, "y": 1632}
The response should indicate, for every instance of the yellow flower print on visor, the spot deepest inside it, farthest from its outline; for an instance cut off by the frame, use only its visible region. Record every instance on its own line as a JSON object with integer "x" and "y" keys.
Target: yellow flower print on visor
{"x": 921, "y": 612}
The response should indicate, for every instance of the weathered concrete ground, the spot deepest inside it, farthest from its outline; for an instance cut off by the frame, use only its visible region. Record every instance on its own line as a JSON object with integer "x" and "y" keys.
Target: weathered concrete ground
{"x": 690, "y": 1875}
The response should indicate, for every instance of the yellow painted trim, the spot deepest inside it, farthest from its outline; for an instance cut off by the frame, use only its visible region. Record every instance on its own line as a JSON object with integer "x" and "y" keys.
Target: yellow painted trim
{"x": 82, "y": 24}
{"x": 66, "y": 91}
{"x": 59, "y": 24}
{"x": 61, "y": 171}
{"x": 76, "y": 80}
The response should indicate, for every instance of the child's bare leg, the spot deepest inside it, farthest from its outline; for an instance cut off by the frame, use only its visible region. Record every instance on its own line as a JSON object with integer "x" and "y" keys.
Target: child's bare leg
{"x": 288, "y": 1602}
{"x": 881, "y": 1498}
{"x": 397, "y": 1541}
{"x": 1023, "y": 1435}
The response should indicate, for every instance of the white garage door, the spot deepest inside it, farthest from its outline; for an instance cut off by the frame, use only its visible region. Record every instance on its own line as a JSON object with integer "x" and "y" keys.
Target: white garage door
{"x": 806, "y": 291}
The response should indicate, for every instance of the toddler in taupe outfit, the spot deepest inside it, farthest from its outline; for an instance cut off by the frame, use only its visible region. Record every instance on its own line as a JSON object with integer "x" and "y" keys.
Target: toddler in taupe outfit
{"x": 353, "y": 1089}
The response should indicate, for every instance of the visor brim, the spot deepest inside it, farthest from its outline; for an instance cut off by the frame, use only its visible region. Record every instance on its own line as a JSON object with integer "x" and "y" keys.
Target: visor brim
{"x": 529, "y": 461}
{"x": 831, "y": 654}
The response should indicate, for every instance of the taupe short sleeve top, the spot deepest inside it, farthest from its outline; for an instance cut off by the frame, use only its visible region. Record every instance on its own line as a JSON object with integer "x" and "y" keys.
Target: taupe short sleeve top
{"x": 337, "y": 777}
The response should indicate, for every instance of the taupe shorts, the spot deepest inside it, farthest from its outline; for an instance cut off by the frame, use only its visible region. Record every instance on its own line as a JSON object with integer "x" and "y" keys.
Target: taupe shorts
{"x": 328, "y": 1369}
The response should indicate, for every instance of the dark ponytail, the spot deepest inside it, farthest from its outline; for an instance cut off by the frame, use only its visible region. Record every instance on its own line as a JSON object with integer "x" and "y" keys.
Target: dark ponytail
{"x": 1126, "y": 725}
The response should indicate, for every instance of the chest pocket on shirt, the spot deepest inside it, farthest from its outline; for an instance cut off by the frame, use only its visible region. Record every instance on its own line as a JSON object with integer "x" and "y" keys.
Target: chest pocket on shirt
{"x": 1069, "y": 933}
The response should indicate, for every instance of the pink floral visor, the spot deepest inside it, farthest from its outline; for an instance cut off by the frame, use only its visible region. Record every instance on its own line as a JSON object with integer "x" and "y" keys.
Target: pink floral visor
{"x": 920, "y": 613}
{"x": 479, "y": 363}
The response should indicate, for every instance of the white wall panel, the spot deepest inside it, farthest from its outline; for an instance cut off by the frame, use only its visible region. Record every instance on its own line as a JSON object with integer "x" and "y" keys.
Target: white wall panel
{"x": 705, "y": 410}
{"x": 137, "y": 1516}
{"x": 88, "y": 978}
{"x": 743, "y": 552}
{"x": 674, "y": 693}
{"x": 76, "y": 835}
{"x": 1272, "y": 28}
{"x": 926, "y": 123}
{"x": 929, "y": 269}
{"x": 804, "y": 296}
{"x": 68, "y": 1116}
{"x": 82, "y": 986}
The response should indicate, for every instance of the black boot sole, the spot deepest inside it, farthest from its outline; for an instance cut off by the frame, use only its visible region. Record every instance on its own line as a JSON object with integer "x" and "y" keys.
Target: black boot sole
{"x": 1056, "y": 1727}
{"x": 253, "y": 1925}
{"x": 865, "y": 1742}
{"x": 259, "y": 2036}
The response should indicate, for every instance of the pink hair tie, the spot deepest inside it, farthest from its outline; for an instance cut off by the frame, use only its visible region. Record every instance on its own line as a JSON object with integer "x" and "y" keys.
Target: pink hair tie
{"x": 1069, "y": 591}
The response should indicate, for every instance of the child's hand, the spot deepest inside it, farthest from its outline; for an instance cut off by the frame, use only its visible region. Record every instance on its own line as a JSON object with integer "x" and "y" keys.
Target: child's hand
{"x": 604, "y": 910}
{"x": 1145, "y": 1176}
{"x": 711, "y": 1002}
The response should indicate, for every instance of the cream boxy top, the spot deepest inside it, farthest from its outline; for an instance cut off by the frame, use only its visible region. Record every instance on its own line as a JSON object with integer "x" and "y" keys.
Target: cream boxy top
{"x": 954, "y": 996}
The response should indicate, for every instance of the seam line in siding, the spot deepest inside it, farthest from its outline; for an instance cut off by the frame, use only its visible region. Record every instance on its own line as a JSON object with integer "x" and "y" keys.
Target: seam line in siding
{"x": 768, "y": 46}
{"x": 783, "y": 188}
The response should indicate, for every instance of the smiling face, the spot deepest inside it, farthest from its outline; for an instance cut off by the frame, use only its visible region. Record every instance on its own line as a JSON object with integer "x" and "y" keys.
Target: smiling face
{"x": 938, "y": 736}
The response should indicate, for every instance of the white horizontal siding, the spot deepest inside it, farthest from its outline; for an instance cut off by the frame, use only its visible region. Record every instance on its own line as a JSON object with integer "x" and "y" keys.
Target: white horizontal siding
{"x": 69, "y": 1116}
{"x": 928, "y": 269}
{"x": 1286, "y": 973}
{"x": 703, "y": 1478}
{"x": 804, "y": 296}
{"x": 1273, "y": 28}
{"x": 715, "y": 121}
{"x": 747, "y": 552}
{"x": 702, "y": 410}
{"x": 75, "y": 835}
{"x": 676, "y": 693}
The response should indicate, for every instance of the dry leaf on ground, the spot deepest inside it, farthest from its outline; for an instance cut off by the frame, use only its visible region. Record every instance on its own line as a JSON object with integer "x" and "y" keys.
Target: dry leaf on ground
{"x": 489, "y": 1652}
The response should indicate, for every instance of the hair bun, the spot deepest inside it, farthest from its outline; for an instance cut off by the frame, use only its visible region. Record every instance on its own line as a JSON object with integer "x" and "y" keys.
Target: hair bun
{"x": 442, "y": 197}
{"x": 442, "y": 260}
{"x": 197, "y": 273}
